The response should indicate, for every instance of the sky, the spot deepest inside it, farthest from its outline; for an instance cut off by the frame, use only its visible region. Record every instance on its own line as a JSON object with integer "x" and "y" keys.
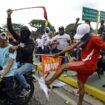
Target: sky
{"x": 60, "y": 12}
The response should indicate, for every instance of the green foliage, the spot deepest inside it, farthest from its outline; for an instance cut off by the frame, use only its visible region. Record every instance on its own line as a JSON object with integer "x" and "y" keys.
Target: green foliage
{"x": 15, "y": 26}
{"x": 69, "y": 30}
{"x": 40, "y": 24}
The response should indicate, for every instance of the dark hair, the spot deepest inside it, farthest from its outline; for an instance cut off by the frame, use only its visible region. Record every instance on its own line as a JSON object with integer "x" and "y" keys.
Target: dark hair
{"x": 61, "y": 28}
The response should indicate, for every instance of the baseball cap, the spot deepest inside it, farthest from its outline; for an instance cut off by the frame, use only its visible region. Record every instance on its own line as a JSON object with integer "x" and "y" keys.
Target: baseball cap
{"x": 82, "y": 29}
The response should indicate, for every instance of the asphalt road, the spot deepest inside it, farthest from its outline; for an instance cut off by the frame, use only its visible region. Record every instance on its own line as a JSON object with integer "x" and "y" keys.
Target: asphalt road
{"x": 61, "y": 96}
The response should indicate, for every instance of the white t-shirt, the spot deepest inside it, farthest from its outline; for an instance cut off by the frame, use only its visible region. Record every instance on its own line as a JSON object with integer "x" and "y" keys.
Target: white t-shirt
{"x": 49, "y": 42}
{"x": 39, "y": 42}
{"x": 63, "y": 41}
{"x": 44, "y": 38}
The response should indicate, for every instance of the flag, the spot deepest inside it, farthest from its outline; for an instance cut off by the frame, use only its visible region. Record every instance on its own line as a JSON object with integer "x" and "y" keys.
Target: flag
{"x": 50, "y": 64}
{"x": 45, "y": 14}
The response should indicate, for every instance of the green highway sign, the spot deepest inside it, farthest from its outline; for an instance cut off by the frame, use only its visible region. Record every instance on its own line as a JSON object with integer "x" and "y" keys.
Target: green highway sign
{"x": 89, "y": 14}
{"x": 102, "y": 15}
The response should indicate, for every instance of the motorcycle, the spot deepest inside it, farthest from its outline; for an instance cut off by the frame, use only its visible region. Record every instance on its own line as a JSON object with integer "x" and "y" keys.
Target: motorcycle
{"x": 5, "y": 99}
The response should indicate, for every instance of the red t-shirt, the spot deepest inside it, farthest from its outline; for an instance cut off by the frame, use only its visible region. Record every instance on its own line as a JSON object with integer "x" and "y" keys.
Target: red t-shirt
{"x": 91, "y": 52}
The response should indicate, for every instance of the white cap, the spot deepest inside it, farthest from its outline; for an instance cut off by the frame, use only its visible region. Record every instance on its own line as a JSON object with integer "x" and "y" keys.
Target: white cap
{"x": 82, "y": 29}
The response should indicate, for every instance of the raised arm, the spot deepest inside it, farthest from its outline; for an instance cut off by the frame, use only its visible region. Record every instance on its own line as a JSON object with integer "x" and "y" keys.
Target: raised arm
{"x": 9, "y": 25}
{"x": 73, "y": 45}
{"x": 75, "y": 24}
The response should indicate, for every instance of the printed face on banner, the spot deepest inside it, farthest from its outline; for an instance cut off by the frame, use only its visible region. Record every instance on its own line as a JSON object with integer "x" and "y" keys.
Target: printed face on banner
{"x": 50, "y": 64}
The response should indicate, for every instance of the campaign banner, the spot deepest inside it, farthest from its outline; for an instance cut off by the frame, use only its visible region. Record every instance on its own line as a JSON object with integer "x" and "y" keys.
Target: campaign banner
{"x": 50, "y": 64}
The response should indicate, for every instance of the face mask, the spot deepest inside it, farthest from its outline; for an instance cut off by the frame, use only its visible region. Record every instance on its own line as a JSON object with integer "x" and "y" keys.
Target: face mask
{"x": 25, "y": 36}
{"x": 3, "y": 36}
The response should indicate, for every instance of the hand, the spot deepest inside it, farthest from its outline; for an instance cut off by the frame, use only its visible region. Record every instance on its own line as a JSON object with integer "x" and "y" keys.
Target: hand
{"x": 13, "y": 48}
{"x": 56, "y": 55}
{"x": 77, "y": 19}
{"x": 21, "y": 45}
{"x": 9, "y": 12}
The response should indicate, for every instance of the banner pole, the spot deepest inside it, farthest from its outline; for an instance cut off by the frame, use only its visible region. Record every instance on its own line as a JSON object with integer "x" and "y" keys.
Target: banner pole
{"x": 47, "y": 55}
{"x": 22, "y": 8}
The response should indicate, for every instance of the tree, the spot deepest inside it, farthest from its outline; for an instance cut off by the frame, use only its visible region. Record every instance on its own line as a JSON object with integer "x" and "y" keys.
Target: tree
{"x": 69, "y": 30}
{"x": 40, "y": 26}
{"x": 16, "y": 27}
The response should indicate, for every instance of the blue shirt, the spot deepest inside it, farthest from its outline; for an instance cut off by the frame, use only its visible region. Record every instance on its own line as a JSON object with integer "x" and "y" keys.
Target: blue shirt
{"x": 5, "y": 55}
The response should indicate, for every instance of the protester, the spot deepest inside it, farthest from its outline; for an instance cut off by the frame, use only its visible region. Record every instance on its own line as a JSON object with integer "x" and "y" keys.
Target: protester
{"x": 24, "y": 49}
{"x": 39, "y": 46}
{"x": 9, "y": 66}
{"x": 51, "y": 46}
{"x": 75, "y": 26}
{"x": 102, "y": 27}
{"x": 63, "y": 39}
{"x": 44, "y": 38}
{"x": 86, "y": 66}
{"x": 101, "y": 61}
{"x": 76, "y": 52}
{"x": 89, "y": 23}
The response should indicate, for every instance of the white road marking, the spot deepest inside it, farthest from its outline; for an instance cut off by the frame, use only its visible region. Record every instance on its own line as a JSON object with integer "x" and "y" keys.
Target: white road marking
{"x": 66, "y": 98}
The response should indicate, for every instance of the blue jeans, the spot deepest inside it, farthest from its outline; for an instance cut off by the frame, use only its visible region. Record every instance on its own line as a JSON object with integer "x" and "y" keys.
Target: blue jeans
{"x": 19, "y": 73}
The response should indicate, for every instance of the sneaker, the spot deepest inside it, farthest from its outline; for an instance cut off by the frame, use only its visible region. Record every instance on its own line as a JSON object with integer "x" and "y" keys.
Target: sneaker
{"x": 44, "y": 87}
{"x": 24, "y": 92}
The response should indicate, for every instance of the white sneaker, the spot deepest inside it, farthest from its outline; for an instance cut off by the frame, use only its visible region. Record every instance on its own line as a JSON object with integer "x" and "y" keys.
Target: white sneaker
{"x": 44, "y": 87}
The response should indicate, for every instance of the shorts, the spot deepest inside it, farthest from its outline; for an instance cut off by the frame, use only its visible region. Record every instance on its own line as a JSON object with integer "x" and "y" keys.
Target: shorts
{"x": 83, "y": 71}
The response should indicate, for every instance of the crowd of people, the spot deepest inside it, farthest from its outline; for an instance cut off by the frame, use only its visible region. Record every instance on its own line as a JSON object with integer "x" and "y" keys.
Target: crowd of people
{"x": 16, "y": 57}
{"x": 86, "y": 47}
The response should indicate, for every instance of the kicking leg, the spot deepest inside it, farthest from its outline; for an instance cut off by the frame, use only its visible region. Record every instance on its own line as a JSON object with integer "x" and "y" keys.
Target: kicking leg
{"x": 56, "y": 75}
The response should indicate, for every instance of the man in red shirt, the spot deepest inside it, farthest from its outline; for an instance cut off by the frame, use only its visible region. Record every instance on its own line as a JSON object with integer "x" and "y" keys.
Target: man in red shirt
{"x": 86, "y": 66}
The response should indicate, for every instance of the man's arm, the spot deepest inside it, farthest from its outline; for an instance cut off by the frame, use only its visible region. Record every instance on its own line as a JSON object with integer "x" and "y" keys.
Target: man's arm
{"x": 10, "y": 63}
{"x": 70, "y": 42}
{"x": 76, "y": 24}
{"x": 69, "y": 39}
{"x": 9, "y": 25}
{"x": 73, "y": 45}
{"x": 54, "y": 42}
